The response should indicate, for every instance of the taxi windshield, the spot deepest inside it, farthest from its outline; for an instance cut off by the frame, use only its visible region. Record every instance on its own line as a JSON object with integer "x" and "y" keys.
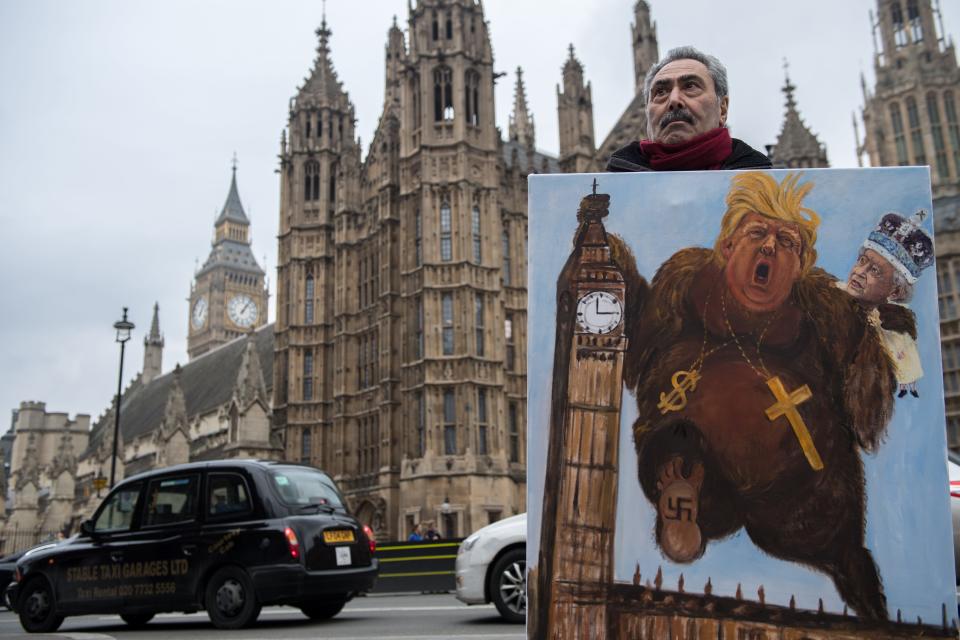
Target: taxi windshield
{"x": 303, "y": 486}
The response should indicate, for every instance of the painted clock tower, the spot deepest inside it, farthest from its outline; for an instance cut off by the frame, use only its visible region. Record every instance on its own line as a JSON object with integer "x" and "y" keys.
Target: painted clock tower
{"x": 228, "y": 297}
{"x": 575, "y": 567}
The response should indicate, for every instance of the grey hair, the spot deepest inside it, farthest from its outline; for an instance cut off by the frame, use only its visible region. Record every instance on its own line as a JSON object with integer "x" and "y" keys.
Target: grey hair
{"x": 716, "y": 69}
{"x": 902, "y": 290}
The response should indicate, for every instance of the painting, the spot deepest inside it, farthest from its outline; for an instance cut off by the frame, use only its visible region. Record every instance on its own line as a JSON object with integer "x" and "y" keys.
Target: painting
{"x": 736, "y": 423}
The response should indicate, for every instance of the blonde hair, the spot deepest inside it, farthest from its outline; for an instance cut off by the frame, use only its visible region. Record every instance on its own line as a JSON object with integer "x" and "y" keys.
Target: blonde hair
{"x": 758, "y": 192}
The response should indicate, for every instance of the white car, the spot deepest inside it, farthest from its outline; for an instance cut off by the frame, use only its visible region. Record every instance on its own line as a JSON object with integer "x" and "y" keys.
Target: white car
{"x": 492, "y": 567}
{"x": 953, "y": 467}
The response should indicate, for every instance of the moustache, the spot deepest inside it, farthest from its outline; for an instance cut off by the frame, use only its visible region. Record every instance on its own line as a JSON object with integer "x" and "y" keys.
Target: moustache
{"x": 681, "y": 114}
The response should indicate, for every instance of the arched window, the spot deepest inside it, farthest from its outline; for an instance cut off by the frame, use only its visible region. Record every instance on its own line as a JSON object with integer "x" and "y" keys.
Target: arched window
{"x": 913, "y": 17}
{"x": 939, "y": 144}
{"x": 446, "y": 238}
{"x": 478, "y": 323}
{"x": 953, "y": 127}
{"x": 311, "y": 181}
{"x": 449, "y": 423}
{"x": 333, "y": 183}
{"x": 506, "y": 257}
{"x": 418, "y": 237}
{"x": 898, "y": 136}
{"x": 899, "y": 32}
{"x": 449, "y": 26}
{"x": 916, "y": 135}
{"x": 421, "y": 448}
{"x": 306, "y": 444}
{"x": 471, "y": 97}
{"x": 415, "y": 102}
{"x": 446, "y": 313}
{"x": 308, "y": 301}
{"x": 475, "y": 229}
{"x": 443, "y": 94}
{"x": 436, "y": 26}
{"x": 308, "y": 374}
{"x": 307, "y": 127}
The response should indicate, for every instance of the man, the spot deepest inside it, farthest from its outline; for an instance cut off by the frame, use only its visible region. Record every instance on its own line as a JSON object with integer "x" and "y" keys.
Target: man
{"x": 687, "y": 102}
{"x": 888, "y": 265}
{"x": 757, "y": 381}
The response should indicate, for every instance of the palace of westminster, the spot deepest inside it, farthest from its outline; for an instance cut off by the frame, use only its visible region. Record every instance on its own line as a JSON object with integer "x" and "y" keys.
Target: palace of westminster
{"x": 397, "y": 358}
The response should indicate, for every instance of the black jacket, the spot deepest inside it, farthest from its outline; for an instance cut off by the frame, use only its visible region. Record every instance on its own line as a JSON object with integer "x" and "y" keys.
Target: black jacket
{"x": 630, "y": 158}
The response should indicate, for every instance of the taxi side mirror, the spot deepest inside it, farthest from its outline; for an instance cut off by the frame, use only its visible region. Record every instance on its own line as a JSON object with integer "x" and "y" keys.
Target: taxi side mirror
{"x": 86, "y": 528}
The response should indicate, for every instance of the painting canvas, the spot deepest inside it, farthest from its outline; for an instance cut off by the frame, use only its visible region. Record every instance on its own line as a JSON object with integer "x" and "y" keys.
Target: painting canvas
{"x": 736, "y": 423}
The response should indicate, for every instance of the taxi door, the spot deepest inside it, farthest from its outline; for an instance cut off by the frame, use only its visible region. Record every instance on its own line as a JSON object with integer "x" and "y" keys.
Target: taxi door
{"x": 88, "y": 576}
{"x": 162, "y": 561}
{"x": 232, "y": 520}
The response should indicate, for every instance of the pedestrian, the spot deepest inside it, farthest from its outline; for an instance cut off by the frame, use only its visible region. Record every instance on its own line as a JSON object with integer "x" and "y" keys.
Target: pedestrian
{"x": 417, "y": 534}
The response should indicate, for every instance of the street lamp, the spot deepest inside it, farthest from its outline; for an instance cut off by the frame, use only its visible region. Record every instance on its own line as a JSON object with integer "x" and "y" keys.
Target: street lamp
{"x": 123, "y": 327}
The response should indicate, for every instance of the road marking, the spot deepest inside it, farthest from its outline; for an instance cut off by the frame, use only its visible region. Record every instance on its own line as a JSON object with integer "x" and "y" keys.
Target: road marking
{"x": 280, "y": 611}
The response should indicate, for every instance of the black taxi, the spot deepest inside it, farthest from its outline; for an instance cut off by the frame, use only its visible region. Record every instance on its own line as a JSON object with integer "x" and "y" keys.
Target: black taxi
{"x": 226, "y": 536}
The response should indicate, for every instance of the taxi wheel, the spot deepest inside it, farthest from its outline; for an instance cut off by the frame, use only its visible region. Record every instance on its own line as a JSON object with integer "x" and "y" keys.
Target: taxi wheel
{"x": 37, "y": 610}
{"x": 136, "y": 620}
{"x": 322, "y": 610}
{"x": 508, "y": 585}
{"x": 230, "y": 600}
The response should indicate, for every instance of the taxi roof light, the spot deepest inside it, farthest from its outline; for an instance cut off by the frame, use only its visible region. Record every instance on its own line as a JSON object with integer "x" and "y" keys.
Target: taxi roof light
{"x": 292, "y": 543}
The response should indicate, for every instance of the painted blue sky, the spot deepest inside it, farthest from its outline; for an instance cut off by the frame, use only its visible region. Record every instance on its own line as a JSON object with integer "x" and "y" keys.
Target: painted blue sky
{"x": 908, "y": 522}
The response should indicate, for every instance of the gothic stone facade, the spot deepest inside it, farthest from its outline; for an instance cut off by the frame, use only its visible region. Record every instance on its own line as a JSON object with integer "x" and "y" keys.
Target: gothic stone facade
{"x": 911, "y": 117}
{"x": 402, "y": 310}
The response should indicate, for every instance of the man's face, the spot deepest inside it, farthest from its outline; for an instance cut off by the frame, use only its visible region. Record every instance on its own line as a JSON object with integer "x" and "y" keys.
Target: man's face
{"x": 871, "y": 278}
{"x": 683, "y": 103}
{"x": 763, "y": 261}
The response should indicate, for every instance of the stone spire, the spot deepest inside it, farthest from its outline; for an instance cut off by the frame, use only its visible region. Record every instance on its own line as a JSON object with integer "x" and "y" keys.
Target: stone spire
{"x": 395, "y": 50}
{"x": 232, "y": 208}
{"x": 65, "y": 460}
{"x": 250, "y": 385}
{"x": 646, "y": 52}
{"x": 797, "y": 147}
{"x": 521, "y": 120}
{"x": 175, "y": 412}
{"x": 323, "y": 84}
{"x": 575, "y": 116}
{"x": 153, "y": 348}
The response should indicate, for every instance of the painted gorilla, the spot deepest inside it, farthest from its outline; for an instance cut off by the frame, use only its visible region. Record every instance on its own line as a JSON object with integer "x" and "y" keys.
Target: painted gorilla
{"x": 713, "y": 335}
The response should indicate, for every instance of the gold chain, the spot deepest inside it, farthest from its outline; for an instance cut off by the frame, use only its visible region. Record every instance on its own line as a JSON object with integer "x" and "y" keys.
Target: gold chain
{"x": 766, "y": 373}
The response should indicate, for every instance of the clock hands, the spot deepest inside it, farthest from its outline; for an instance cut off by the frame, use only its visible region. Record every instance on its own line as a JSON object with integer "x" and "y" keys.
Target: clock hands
{"x": 604, "y": 313}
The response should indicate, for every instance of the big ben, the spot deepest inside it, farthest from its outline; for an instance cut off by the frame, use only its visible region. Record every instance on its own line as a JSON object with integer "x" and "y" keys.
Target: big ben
{"x": 579, "y": 506}
{"x": 228, "y": 297}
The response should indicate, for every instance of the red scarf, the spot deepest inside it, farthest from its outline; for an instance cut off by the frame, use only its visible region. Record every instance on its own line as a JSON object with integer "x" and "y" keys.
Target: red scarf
{"x": 706, "y": 151}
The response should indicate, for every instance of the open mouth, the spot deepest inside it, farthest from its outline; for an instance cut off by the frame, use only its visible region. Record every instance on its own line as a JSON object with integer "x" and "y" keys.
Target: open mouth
{"x": 762, "y": 273}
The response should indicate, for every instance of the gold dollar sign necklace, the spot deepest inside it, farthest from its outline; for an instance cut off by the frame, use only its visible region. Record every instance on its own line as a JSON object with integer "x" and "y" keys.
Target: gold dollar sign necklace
{"x": 685, "y": 381}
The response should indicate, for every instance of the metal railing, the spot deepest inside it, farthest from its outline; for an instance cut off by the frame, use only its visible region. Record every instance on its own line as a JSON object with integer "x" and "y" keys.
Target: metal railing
{"x": 15, "y": 540}
{"x": 421, "y": 566}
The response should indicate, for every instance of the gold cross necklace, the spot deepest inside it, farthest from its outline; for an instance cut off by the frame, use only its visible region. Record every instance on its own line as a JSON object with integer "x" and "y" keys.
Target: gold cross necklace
{"x": 786, "y": 402}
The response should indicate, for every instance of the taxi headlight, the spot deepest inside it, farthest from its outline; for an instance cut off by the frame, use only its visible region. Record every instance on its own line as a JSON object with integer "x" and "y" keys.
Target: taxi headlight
{"x": 467, "y": 544}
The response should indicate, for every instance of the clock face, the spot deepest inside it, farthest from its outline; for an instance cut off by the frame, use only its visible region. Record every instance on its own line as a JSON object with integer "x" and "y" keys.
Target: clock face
{"x": 599, "y": 312}
{"x": 198, "y": 317}
{"x": 242, "y": 310}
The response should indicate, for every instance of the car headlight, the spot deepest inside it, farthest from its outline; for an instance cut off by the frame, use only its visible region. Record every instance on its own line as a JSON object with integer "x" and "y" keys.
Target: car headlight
{"x": 467, "y": 544}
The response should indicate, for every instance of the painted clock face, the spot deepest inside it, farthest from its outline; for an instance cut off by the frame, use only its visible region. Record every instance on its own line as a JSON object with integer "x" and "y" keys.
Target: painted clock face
{"x": 599, "y": 312}
{"x": 198, "y": 317}
{"x": 242, "y": 310}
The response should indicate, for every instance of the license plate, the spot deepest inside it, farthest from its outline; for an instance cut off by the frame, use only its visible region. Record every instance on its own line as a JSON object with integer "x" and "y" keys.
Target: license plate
{"x": 343, "y": 557}
{"x": 336, "y": 537}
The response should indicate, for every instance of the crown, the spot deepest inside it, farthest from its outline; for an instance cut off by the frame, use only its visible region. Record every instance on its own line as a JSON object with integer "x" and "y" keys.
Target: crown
{"x": 903, "y": 243}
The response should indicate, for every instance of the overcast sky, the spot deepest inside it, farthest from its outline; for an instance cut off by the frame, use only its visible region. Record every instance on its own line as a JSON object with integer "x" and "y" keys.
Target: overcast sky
{"x": 118, "y": 121}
